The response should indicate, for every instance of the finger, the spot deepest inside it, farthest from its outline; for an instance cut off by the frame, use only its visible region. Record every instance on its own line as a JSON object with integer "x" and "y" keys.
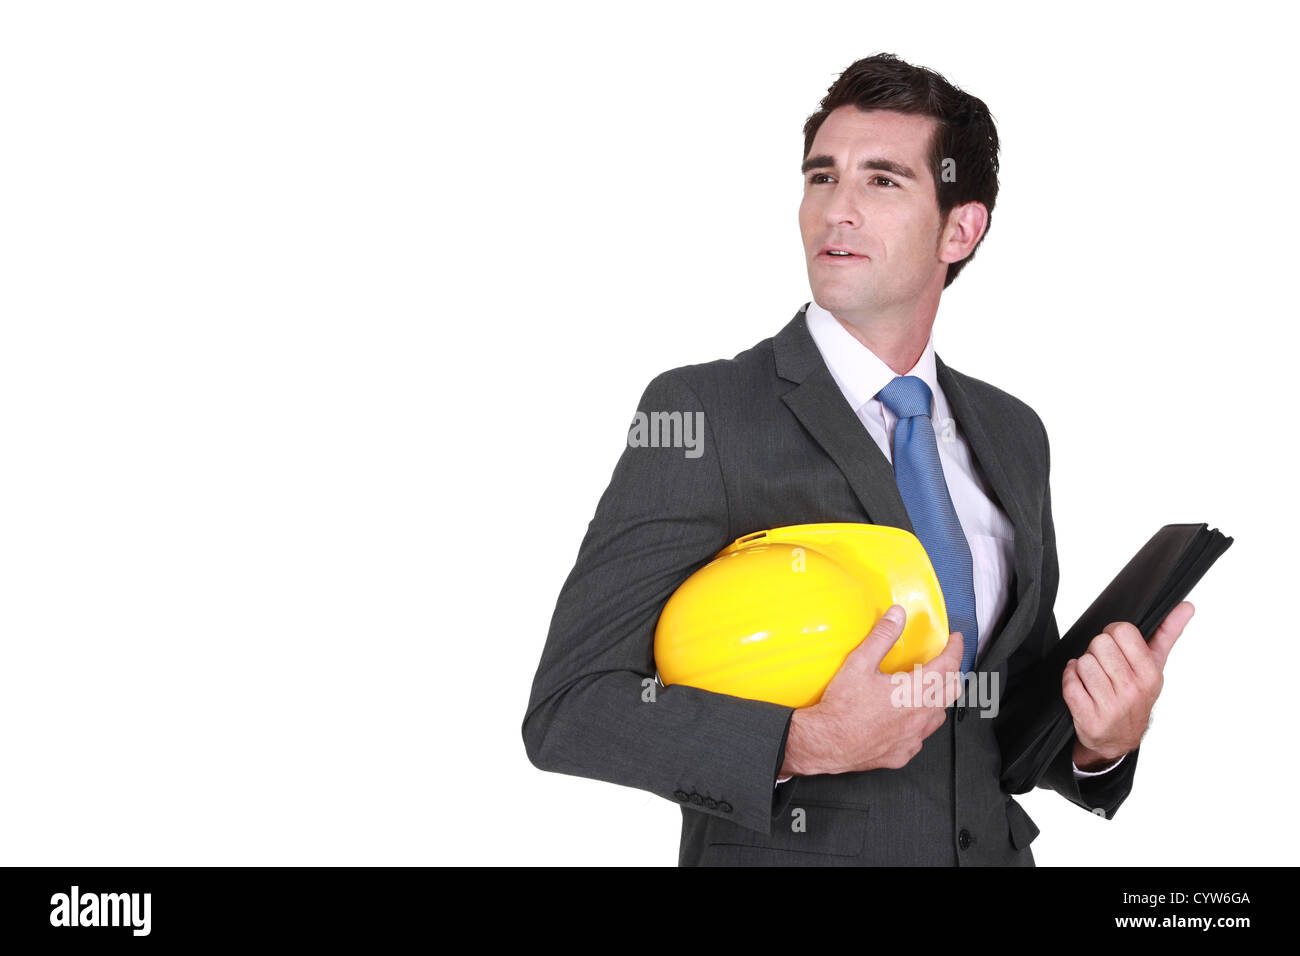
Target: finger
{"x": 1077, "y": 698}
{"x": 1170, "y": 629}
{"x": 950, "y": 658}
{"x": 880, "y": 639}
{"x": 1141, "y": 659}
{"x": 1113, "y": 660}
{"x": 1095, "y": 681}
{"x": 949, "y": 664}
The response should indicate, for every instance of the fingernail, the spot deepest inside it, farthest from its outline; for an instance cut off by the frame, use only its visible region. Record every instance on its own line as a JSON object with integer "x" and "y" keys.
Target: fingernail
{"x": 895, "y": 614}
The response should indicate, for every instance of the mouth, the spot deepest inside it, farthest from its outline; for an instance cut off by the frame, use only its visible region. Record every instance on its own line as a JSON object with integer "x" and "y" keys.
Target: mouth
{"x": 839, "y": 254}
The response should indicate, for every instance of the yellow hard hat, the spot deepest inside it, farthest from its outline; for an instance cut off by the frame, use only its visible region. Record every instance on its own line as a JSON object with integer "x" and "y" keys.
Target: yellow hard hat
{"x": 773, "y": 615}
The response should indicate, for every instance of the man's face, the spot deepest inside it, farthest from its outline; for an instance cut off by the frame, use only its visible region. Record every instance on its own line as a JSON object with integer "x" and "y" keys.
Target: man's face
{"x": 868, "y": 190}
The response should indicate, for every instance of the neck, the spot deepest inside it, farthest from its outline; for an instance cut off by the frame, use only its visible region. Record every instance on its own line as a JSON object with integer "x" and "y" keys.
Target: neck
{"x": 898, "y": 345}
{"x": 896, "y": 336}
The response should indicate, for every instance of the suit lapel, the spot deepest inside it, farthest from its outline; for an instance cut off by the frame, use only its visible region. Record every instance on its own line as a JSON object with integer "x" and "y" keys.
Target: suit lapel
{"x": 821, "y": 408}
{"x": 974, "y": 424}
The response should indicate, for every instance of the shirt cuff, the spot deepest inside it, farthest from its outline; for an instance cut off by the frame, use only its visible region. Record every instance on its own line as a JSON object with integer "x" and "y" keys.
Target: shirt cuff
{"x": 1095, "y": 773}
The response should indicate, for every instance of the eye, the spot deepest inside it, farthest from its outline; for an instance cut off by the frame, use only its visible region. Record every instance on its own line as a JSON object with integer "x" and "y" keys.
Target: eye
{"x": 884, "y": 179}
{"x": 816, "y": 176}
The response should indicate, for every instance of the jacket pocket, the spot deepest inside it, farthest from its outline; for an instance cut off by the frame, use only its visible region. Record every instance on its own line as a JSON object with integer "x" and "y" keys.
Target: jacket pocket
{"x": 831, "y": 829}
{"x": 1023, "y": 829}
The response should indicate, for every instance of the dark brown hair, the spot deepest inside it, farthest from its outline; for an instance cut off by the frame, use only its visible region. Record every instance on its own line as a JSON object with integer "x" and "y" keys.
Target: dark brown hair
{"x": 965, "y": 132}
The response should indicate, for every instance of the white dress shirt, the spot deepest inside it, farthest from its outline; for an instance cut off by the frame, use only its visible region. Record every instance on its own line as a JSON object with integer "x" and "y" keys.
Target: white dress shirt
{"x": 860, "y": 374}
{"x": 989, "y": 532}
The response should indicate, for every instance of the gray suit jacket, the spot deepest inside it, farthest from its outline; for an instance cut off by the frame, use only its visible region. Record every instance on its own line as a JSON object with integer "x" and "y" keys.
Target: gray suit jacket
{"x": 781, "y": 446}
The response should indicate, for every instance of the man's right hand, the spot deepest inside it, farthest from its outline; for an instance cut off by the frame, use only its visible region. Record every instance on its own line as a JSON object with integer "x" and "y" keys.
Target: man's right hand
{"x": 856, "y": 725}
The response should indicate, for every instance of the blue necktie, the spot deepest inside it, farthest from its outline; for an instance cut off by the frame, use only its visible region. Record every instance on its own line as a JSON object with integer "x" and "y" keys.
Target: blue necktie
{"x": 920, "y": 482}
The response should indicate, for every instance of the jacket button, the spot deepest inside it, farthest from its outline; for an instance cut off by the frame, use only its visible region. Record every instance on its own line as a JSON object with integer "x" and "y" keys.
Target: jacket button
{"x": 964, "y": 839}
{"x": 711, "y": 803}
{"x": 696, "y": 799}
{"x": 724, "y": 806}
{"x": 961, "y": 712}
{"x": 681, "y": 795}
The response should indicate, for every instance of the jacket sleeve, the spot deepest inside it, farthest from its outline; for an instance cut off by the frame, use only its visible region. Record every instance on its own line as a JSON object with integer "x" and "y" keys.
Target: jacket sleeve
{"x": 1101, "y": 793}
{"x": 596, "y": 709}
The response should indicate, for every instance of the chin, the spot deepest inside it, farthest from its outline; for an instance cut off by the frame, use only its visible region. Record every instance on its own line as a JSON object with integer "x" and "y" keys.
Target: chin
{"x": 834, "y": 299}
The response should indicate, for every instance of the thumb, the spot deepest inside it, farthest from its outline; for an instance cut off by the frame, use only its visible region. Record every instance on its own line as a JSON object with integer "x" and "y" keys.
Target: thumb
{"x": 1170, "y": 629}
{"x": 880, "y": 639}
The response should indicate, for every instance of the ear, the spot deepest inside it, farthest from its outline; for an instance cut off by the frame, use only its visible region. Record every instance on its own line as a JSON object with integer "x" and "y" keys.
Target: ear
{"x": 966, "y": 224}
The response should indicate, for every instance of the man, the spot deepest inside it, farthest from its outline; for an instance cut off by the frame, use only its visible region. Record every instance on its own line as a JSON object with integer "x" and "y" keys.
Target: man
{"x": 846, "y": 415}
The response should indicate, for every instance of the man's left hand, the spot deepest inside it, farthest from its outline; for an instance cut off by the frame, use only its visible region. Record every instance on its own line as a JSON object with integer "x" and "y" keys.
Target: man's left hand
{"x": 1112, "y": 687}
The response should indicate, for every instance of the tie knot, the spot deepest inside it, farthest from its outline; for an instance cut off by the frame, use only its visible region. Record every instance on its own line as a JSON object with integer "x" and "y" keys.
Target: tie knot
{"x": 906, "y": 396}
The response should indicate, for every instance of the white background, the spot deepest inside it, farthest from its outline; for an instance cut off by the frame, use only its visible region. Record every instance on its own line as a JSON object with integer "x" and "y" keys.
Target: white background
{"x": 323, "y": 323}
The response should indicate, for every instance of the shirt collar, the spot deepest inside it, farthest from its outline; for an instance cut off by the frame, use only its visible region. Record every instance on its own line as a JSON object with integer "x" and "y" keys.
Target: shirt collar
{"x": 857, "y": 370}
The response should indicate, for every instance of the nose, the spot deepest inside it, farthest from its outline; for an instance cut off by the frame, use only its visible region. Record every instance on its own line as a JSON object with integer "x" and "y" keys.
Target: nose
{"x": 843, "y": 208}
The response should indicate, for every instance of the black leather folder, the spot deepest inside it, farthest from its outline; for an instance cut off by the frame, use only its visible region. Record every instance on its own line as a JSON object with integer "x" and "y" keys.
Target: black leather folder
{"x": 1035, "y": 724}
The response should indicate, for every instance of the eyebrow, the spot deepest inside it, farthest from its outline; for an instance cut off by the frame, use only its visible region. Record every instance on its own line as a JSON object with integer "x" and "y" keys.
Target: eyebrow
{"x": 871, "y": 162}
